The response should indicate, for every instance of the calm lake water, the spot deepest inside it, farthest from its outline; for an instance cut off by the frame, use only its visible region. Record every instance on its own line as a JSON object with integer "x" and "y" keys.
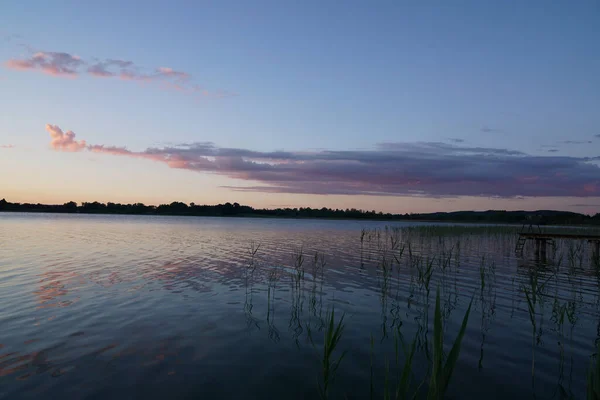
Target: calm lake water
{"x": 150, "y": 307}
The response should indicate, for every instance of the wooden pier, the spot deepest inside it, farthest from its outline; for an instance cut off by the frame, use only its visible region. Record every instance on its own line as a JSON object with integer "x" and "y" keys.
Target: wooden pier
{"x": 543, "y": 240}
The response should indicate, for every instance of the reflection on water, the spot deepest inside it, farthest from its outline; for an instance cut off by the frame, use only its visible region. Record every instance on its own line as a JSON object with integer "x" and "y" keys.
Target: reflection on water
{"x": 107, "y": 306}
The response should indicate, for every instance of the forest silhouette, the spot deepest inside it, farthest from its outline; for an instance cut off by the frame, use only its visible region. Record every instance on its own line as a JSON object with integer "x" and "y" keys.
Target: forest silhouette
{"x": 543, "y": 217}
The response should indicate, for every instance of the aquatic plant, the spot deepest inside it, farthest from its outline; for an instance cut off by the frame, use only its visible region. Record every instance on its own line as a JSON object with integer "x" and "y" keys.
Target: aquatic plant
{"x": 446, "y": 258}
{"x": 249, "y": 275}
{"x": 442, "y": 369}
{"x": 531, "y": 297}
{"x": 298, "y": 264}
{"x": 363, "y": 233}
{"x": 425, "y": 272}
{"x": 252, "y": 264}
{"x": 386, "y": 266}
{"x": 273, "y": 276}
{"x": 318, "y": 272}
{"x": 371, "y": 385}
{"x": 398, "y": 255}
{"x": 429, "y": 258}
{"x": 482, "y": 273}
{"x": 329, "y": 362}
{"x": 403, "y": 378}
{"x": 404, "y": 383}
{"x": 593, "y": 376}
{"x": 459, "y": 230}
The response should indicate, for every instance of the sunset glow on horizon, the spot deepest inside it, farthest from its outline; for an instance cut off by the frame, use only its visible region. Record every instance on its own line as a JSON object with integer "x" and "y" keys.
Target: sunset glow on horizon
{"x": 402, "y": 108}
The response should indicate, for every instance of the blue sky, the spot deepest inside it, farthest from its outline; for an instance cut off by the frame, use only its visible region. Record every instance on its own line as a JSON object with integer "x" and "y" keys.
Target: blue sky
{"x": 307, "y": 77}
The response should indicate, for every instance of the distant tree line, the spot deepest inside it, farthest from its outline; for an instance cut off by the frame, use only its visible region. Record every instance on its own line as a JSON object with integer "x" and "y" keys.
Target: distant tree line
{"x": 543, "y": 217}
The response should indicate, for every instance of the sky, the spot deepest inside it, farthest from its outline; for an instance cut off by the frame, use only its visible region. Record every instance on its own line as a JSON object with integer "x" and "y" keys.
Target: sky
{"x": 392, "y": 106}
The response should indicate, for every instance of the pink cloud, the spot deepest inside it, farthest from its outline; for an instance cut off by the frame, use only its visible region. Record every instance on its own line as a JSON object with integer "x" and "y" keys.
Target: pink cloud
{"x": 118, "y": 151}
{"x": 109, "y": 68}
{"x": 390, "y": 169}
{"x": 128, "y": 76}
{"x": 171, "y": 73}
{"x": 64, "y": 141}
{"x": 172, "y": 159}
{"x": 7, "y": 146}
{"x": 593, "y": 187}
{"x": 51, "y": 63}
{"x": 98, "y": 72}
{"x": 61, "y": 64}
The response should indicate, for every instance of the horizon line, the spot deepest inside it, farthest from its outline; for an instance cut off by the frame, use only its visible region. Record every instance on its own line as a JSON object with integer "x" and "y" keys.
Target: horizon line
{"x": 363, "y": 211}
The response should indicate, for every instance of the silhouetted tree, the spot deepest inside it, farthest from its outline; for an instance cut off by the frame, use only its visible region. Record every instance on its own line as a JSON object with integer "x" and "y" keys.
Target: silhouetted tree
{"x": 235, "y": 209}
{"x": 71, "y": 206}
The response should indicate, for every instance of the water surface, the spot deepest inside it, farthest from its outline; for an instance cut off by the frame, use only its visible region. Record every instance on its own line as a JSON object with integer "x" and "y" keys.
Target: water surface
{"x": 136, "y": 306}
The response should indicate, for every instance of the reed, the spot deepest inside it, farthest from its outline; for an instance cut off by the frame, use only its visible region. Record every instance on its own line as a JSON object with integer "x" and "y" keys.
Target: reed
{"x": 593, "y": 376}
{"x": 482, "y": 274}
{"x": 398, "y": 255}
{"x": 298, "y": 264}
{"x": 363, "y": 233}
{"x": 403, "y": 386}
{"x": 252, "y": 263}
{"x": 273, "y": 276}
{"x": 318, "y": 271}
{"x": 371, "y": 385}
{"x": 425, "y": 272}
{"x": 442, "y": 368}
{"x": 329, "y": 361}
{"x": 531, "y": 296}
{"x": 423, "y": 250}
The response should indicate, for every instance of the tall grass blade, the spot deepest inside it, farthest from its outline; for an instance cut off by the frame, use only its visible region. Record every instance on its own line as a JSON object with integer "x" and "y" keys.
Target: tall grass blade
{"x": 333, "y": 334}
{"x": 404, "y": 383}
{"x": 593, "y": 378}
{"x": 454, "y": 352}
{"x": 441, "y": 371}
{"x": 372, "y": 387}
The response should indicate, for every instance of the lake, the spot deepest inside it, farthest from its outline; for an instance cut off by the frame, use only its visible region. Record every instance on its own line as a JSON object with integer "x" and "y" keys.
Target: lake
{"x": 96, "y": 306}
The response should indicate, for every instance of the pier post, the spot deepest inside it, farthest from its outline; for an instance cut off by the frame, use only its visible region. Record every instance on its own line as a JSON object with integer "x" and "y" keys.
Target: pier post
{"x": 596, "y": 251}
{"x": 543, "y": 240}
{"x": 543, "y": 246}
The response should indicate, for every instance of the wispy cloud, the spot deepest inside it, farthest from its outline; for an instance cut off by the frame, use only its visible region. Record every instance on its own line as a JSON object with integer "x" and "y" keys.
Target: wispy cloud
{"x": 68, "y": 65}
{"x": 57, "y": 64}
{"x": 11, "y": 37}
{"x": 576, "y": 142}
{"x": 416, "y": 169}
{"x": 456, "y": 140}
{"x": 127, "y": 70}
{"x": 7, "y": 146}
{"x": 597, "y": 136}
{"x": 553, "y": 151}
{"x": 487, "y": 129}
{"x": 106, "y": 68}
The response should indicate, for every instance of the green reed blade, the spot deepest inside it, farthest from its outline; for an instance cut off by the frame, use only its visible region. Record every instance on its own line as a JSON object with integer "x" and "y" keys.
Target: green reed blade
{"x": 454, "y": 352}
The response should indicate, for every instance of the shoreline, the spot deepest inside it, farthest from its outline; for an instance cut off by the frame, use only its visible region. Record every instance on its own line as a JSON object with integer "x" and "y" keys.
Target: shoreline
{"x": 326, "y": 218}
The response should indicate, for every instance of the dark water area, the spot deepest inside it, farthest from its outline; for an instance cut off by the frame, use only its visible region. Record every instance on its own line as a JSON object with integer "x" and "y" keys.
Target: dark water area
{"x": 154, "y": 307}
